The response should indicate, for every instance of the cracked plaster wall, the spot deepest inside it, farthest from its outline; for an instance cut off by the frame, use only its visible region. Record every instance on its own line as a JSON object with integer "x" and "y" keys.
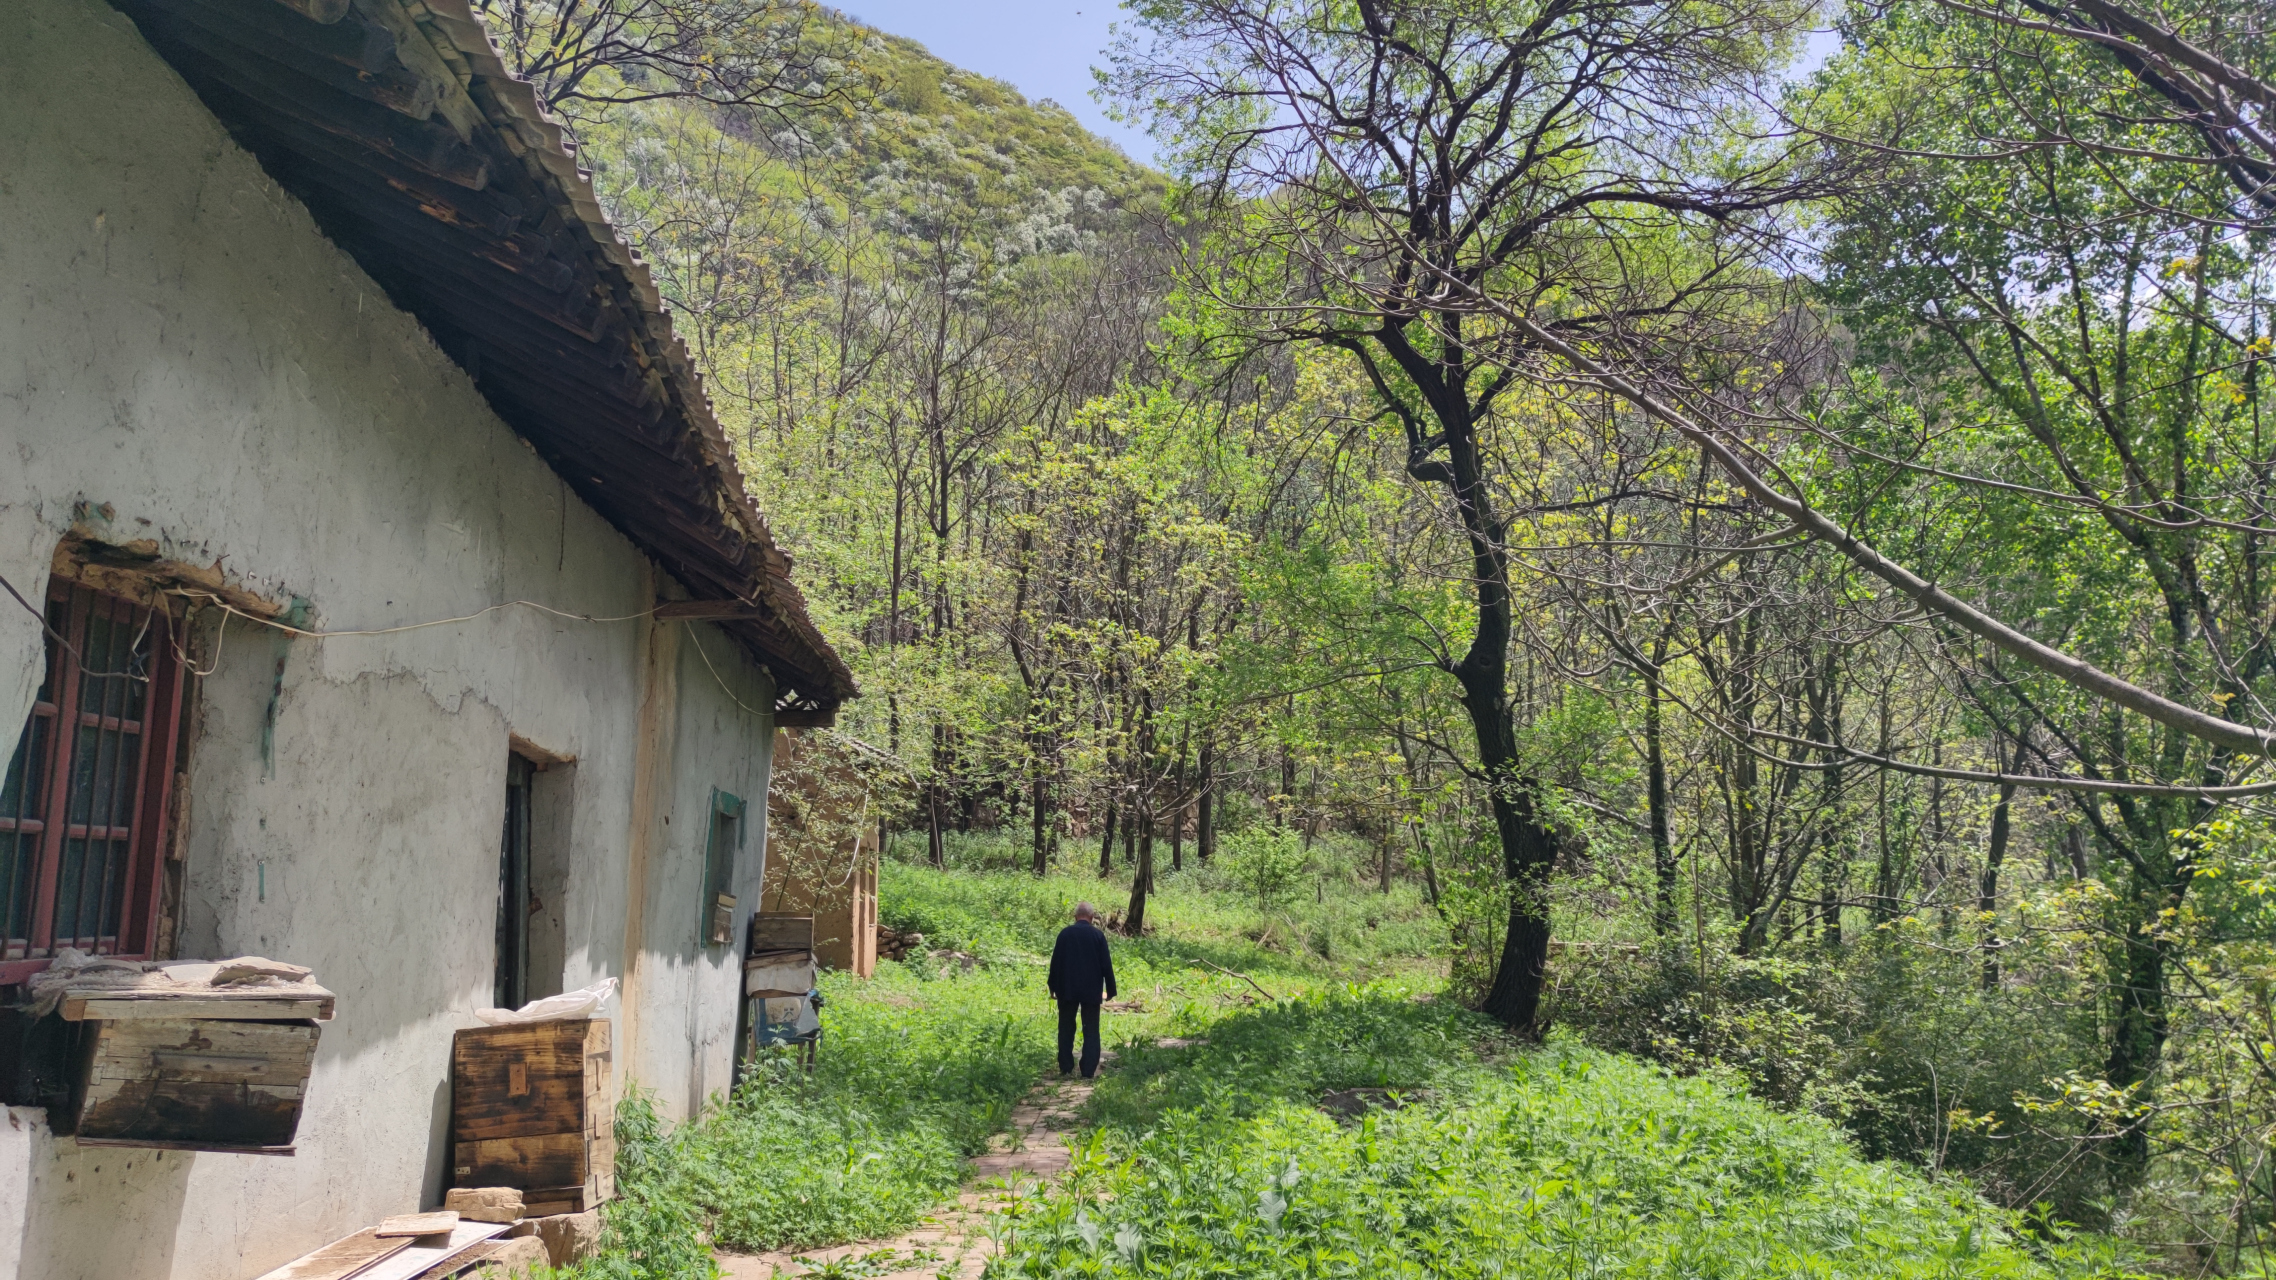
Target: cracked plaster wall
{"x": 178, "y": 341}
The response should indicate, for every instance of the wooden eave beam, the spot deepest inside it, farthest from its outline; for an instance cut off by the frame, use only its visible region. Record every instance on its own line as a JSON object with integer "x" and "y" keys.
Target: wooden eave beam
{"x": 709, "y": 611}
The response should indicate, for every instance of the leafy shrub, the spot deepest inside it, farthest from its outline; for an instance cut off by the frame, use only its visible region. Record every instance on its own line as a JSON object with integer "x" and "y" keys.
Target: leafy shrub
{"x": 1267, "y": 862}
{"x": 1894, "y": 1035}
{"x": 649, "y": 1232}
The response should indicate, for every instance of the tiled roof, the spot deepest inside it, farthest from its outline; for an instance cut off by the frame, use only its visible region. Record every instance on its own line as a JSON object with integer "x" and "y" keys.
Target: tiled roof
{"x": 427, "y": 161}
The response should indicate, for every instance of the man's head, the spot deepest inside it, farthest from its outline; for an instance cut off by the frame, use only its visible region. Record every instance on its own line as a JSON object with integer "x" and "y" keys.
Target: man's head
{"x": 1084, "y": 911}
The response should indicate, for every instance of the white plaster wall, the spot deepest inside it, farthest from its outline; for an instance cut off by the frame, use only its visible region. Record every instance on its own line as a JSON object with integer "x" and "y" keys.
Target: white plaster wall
{"x": 179, "y": 341}
{"x": 683, "y": 981}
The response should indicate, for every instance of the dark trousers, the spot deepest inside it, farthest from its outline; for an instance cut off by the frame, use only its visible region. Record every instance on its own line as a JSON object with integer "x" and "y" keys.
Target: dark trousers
{"x": 1067, "y": 1010}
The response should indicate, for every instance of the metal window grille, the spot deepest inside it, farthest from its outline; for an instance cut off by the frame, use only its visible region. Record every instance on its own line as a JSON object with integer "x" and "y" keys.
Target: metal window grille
{"x": 510, "y": 989}
{"x": 83, "y": 803}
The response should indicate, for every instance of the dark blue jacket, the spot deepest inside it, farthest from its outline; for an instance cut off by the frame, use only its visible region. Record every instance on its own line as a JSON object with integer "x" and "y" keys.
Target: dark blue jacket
{"x": 1080, "y": 965}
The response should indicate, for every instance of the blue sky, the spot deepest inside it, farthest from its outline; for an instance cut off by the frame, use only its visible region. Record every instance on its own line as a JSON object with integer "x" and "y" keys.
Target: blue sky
{"x": 1046, "y": 48}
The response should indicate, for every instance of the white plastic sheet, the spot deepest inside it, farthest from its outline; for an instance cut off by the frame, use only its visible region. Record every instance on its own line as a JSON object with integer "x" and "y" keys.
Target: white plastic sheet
{"x": 580, "y": 1003}
{"x": 781, "y": 979}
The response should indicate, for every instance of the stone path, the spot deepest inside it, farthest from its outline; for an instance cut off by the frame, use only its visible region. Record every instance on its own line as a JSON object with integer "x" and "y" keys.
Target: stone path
{"x": 952, "y": 1242}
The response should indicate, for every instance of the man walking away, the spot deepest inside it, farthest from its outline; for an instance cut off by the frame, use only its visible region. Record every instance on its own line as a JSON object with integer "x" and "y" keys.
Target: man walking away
{"x": 1080, "y": 970}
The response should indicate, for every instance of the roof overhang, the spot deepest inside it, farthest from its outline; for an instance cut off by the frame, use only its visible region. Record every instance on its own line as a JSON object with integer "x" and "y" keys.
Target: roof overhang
{"x": 439, "y": 172}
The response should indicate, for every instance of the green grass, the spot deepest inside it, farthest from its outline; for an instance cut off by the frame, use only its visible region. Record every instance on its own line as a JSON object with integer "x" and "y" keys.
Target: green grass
{"x": 1215, "y": 1160}
{"x": 922, "y": 1064}
{"x": 1558, "y": 1162}
{"x": 915, "y": 1073}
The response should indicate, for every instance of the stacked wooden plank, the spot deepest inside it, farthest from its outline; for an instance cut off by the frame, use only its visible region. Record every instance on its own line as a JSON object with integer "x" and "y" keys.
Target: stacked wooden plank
{"x": 371, "y": 1254}
{"x": 532, "y": 1107}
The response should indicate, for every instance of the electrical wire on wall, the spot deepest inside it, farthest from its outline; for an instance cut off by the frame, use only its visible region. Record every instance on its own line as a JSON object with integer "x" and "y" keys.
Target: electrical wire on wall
{"x": 229, "y": 610}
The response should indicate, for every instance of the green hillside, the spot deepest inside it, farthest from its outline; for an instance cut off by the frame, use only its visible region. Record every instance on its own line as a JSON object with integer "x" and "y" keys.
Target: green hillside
{"x": 928, "y": 113}
{"x": 898, "y": 132}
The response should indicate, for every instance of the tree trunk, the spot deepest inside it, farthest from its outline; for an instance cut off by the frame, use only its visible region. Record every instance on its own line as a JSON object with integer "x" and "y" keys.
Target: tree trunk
{"x": 1430, "y": 867}
{"x": 1830, "y": 917}
{"x": 1528, "y": 852}
{"x": 1040, "y": 799}
{"x": 934, "y": 846}
{"x": 1437, "y": 365}
{"x": 1664, "y": 870}
{"x": 1529, "y": 849}
{"x": 1142, "y": 878}
{"x": 1205, "y": 822}
{"x": 2138, "y": 1033}
{"x": 1177, "y": 814}
{"x": 1987, "y": 893}
{"x": 1106, "y": 841}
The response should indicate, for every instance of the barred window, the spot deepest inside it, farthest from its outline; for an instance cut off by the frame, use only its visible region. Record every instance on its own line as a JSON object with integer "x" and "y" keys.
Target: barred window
{"x": 83, "y": 804}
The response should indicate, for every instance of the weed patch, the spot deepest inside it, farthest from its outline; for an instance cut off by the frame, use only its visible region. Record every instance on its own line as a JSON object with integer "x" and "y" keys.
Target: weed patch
{"x": 1562, "y": 1162}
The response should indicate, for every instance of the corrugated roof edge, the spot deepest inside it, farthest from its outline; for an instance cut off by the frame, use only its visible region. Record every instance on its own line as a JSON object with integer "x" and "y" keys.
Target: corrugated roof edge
{"x": 466, "y": 41}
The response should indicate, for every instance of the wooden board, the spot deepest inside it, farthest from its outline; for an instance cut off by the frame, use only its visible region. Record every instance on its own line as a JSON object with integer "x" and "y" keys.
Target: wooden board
{"x": 340, "y": 1259}
{"x": 552, "y": 1202}
{"x": 419, "y": 1224}
{"x": 462, "y": 1262}
{"x": 200, "y": 1083}
{"x": 146, "y": 1144}
{"x": 422, "y": 1255}
{"x": 772, "y": 932}
{"x": 122, "y": 1007}
{"x": 525, "y": 1081}
{"x": 542, "y": 1160}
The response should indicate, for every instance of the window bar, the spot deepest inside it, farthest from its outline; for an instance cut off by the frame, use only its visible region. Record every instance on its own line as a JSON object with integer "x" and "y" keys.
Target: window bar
{"x": 126, "y": 797}
{"x": 90, "y": 792}
{"x": 161, "y": 732}
{"x": 58, "y": 786}
{"x": 35, "y": 754}
{"x": 26, "y": 773}
{"x": 101, "y": 746}
{"x": 99, "y": 749}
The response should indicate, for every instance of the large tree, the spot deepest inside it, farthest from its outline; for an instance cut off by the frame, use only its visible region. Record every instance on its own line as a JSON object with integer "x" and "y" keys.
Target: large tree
{"x": 1368, "y": 169}
{"x": 2062, "y": 349}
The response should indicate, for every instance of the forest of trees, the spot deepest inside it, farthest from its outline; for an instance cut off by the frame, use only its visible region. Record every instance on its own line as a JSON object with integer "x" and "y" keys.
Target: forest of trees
{"x": 1777, "y": 542}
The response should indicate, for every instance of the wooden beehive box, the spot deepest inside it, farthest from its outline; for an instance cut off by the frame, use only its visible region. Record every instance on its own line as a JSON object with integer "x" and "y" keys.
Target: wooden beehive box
{"x": 200, "y": 1084}
{"x": 533, "y": 1107}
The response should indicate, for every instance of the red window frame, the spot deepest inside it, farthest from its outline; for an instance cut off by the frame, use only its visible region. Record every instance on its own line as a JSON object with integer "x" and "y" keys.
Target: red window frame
{"x": 83, "y": 804}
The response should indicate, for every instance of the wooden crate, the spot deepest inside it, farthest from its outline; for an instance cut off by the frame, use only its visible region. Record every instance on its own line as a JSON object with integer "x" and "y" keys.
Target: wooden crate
{"x": 779, "y": 931}
{"x": 199, "y": 1084}
{"x": 533, "y": 1107}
